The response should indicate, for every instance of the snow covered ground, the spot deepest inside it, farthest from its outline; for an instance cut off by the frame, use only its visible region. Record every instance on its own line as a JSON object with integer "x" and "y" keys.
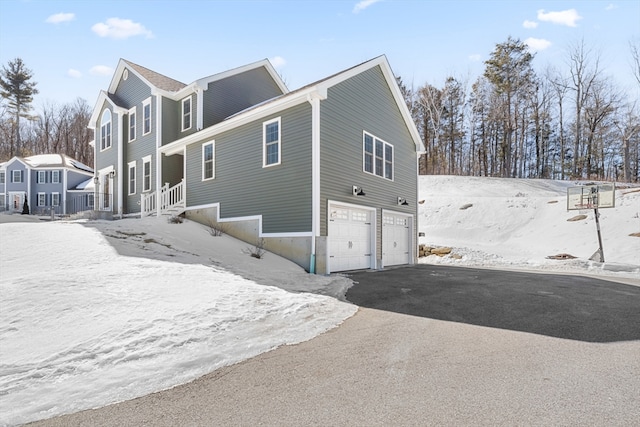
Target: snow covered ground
{"x": 95, "y": 312}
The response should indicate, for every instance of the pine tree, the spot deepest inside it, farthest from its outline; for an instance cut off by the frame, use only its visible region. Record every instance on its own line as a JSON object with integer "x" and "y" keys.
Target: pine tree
{"x": 16, "y": 87}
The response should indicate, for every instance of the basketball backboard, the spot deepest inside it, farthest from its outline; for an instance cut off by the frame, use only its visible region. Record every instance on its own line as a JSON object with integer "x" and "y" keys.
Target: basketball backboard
{"x": 591, "y": 197}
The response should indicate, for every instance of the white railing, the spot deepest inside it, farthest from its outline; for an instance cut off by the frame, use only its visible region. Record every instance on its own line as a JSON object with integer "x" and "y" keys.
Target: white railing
{"x": 148, "y": 204}
{"x": 171, "y": 198}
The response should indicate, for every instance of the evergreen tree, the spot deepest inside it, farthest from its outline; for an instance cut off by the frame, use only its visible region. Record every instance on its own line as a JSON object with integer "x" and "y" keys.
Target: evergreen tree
{"x": 16, "y": 87}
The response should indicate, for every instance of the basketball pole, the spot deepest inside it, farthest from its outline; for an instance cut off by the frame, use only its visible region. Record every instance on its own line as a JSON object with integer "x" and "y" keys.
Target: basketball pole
{"x": 597, "y": 215}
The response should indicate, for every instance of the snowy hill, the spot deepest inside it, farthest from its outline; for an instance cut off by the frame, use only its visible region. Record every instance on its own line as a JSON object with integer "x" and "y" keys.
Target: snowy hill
{"x": 518, "y": 223}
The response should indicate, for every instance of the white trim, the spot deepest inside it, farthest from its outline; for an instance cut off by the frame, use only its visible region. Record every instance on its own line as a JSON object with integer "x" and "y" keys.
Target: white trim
{"x": 144, "y": 118}
{"x": 315, "y": 177}
{"x": 213, "y": 161}
{"x": 200, "y": 108}
{"x": 44, "y": 174}
{"x": 184, "y": 101}
{"x": 13, "y": 176}
{"x": 55, "y": 193}
{"x": 384, "y": 157}
{"x": 55, "y": 172}
{"x": 133, "y": 112}
{"x": 248, "y": 218}
{"x": 133, "y": 165}
{"x": 145, "y": 160}
{"x": 278, "y": 143}
{"x": 44, "y": 203}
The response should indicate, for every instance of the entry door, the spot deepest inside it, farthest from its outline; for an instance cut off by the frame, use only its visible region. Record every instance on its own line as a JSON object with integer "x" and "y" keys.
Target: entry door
{"x": 16, "y": 201}
{"x": 349, "y": 238}
{"x": 396, "y": 239}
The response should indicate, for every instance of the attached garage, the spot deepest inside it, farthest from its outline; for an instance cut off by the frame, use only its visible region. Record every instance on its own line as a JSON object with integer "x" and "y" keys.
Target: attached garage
{"x": 351, "y": 237}
{"x": 396, "y": 239}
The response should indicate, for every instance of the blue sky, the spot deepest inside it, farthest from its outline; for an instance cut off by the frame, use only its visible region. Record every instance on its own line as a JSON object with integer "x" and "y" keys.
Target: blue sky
{"x": 73, "y": 46}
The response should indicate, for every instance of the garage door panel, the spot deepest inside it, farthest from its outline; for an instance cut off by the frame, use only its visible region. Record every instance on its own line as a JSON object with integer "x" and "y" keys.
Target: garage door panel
{"x": 395, "y": 239}
{"x": 349, "y": 238}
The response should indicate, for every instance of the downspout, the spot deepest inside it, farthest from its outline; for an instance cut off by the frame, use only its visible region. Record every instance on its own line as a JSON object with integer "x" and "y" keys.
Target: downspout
{"x": 314, "y": 100}
{"x": 64, "y": 191}
{"x": 158, "y": 155}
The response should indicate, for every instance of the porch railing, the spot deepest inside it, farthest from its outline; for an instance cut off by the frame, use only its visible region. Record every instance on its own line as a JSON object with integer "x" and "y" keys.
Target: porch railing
{"x": 170, "y": 199}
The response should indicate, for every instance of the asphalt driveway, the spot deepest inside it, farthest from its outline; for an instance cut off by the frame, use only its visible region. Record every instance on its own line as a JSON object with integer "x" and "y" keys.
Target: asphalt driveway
{"x": 562, "y": 306}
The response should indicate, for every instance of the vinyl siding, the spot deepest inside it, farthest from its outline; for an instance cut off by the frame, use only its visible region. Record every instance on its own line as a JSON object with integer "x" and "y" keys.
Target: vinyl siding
{"x": 364, "y": 103}
{"x": 226, "y": 97}
{"x": 281, "y": 194}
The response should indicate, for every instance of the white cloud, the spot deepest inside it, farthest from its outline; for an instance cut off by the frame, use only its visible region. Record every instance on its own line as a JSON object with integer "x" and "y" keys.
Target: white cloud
{"x": 101, "y": 70}
{"x": 611, "y": 6}
{"x": 117, "y": 28}
{"x": 277, "y": 61}
{"x": 566, "y": 17}
{"x": 537, "y": 45}
{"x": 363, "y": 4}
{"x": 60, "y": 17}
{"x": 75, "y": 74}
{"x": 476, "y": 57}
{"x": 530, "y": 24}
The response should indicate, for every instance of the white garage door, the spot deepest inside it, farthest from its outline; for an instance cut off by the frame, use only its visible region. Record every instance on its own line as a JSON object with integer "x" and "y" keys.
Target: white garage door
{"x": 349, "y": 238}
{"x": 396, "y": 230}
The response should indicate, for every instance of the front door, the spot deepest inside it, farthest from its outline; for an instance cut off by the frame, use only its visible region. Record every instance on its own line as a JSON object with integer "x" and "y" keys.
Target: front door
{"x": 16, "y": 200}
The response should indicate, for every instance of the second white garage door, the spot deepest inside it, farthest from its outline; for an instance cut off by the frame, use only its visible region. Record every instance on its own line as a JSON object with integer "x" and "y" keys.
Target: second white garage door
{"x": 350, "y": 231}
{"x": 396, "y": 239}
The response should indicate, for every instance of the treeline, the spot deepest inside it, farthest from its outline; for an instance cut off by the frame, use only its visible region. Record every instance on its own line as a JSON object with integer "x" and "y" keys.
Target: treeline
{"x": 572, "y": 123}
{"x": 59, "y": 129}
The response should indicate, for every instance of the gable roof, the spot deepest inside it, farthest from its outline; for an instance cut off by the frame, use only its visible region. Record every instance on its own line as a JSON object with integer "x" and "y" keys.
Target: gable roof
{"x": 319, "y": 89}
{"x": 50, "y": 161}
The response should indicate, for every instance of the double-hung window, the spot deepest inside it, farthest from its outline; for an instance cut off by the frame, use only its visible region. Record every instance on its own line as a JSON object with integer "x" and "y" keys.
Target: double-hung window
{"x": 42, "y": 199}
{"x": 2, "y": 178}
{"x": 42, "y": 177}
{"x": 208, "y": 159}
{"x": 186, "y": 113}
{"x": 132, "y": 177}
{"x": 146, "y": 173}
{"x": 146, "y": 116}
{"x": 55, "y": 177}
{"x": 132, "y": 124}
{"x": 55, "y": 199}
{"x": 271, "y": 142}
{"x": 105, "y": 130}
{"x": 16, "y": 176}
{"x": 377, "y": 156}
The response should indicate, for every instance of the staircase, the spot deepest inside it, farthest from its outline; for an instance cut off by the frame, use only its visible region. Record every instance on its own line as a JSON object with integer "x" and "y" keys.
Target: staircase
{"x": 166, "y": 201}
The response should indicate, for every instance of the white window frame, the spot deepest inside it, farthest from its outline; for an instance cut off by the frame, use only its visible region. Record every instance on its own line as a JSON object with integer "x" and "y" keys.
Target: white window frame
{"x": 55, "y": 177}
{"x": 187, "y": 115}
{"x": 146, "y": 119}
{"x": 13, "y": 175}
{"x": 42, "y": 199}
{"x": 55, "y": 199}
{"x": 106, "y": 129}
{"x": 132, "y": 119}
{"x": 146, "y": 161}
{"x": 382, "y": 169}
{"x": 131, "y": 177}
{"x": 90, "y": 200}
{"x": 41, "y": 177}
{"x": 212, "y": 144}
{"x": 277, "y": 142}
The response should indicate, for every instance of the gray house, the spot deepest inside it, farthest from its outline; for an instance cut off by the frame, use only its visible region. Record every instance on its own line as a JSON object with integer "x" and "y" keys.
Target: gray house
{"x": 47, "y": 182}
{"x": 325, "y": 175}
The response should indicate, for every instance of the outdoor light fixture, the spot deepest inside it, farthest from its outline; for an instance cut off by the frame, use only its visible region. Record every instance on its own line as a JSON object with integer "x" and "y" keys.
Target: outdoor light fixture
{"x": 112, "y": 174}
{"x": 402, "y": 201}
{"x": 357, "y": 191}
{"x": 96, "y": 180}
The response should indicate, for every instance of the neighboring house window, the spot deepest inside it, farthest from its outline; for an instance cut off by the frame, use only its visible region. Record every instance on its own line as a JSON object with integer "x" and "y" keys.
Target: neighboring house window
{"x": 1, "y": 177}
{"x": 42, "y": 199}
{"x": 146, "y": 173}
{"x": 16, "y": 176}
{"x": 132, "y": 177}
{"x": 271, "y": 142}
{"x": 132, "y": 124}
{"x": 55, "y": 199}
{"x": 42, "y": 177}
{"x": 55, "y": 177}
{"x": 90, "y": 200}
{"x": 146, "y": 119}
{"x": 186, "y": 113}
{"x": 208, "y": 153}
{"x": 105, "y": 130}
{"x": 377, "y": 157}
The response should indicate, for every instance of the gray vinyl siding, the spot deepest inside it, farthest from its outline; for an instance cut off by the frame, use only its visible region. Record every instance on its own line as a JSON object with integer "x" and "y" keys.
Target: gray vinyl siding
{"x": 16, "y": 186}
{"x": 364, "y": 103}
{"x": 172, "y": 120}
{"x": 226, "y": 97}
{"x": 131, "y": 92}
{"x": 281, "y": 194}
